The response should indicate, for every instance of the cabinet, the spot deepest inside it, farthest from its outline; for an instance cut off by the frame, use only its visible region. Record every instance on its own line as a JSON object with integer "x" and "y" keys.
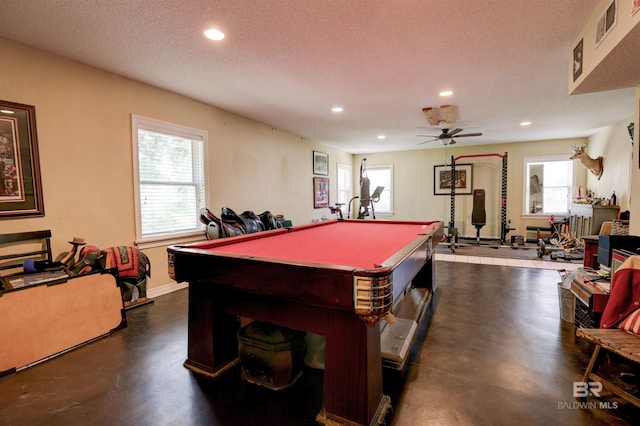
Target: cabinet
{"x": 590, "y": 251}
{"x": 587, "y": 219}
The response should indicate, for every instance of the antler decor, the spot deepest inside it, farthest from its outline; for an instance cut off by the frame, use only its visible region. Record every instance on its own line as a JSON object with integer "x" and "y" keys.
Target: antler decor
{"x": 594, "y": 165}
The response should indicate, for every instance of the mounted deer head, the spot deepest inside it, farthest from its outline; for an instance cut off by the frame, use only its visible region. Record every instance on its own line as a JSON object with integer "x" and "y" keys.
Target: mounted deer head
{"x": 593, "y": 165}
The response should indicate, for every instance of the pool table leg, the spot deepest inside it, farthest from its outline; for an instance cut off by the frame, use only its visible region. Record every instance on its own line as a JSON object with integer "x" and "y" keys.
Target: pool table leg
{"x": 212, "y": 334}
{"x": 352, "y": 390}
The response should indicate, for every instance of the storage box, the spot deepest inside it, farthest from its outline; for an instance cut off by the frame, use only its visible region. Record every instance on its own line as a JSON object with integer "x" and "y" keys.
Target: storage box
{"x": 567, "y": 303}
{"x": 606, "y": 244}
{"x": 271, "y": 356}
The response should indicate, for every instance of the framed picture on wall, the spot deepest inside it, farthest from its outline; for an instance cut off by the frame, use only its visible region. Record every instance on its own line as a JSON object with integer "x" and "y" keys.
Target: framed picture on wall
{"x": 577, "y": 60}
{"x": 20, "y": 182}
{"x": 606, "y": 22}
{"x": 320, "y": 192}
{"x": 320, "y": 163}
{"x": 442, "y": 179}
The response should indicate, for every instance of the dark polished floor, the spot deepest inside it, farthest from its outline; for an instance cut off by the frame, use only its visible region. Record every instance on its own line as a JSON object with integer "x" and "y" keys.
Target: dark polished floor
{"x": 494, "y": 353}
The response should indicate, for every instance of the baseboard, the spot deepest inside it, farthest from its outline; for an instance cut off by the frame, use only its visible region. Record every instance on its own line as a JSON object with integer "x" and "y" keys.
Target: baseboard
{"x": 166, "y": 289}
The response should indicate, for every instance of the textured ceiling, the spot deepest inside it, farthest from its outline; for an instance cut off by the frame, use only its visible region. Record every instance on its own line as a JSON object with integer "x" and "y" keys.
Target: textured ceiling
{"x": 287, "y": 62}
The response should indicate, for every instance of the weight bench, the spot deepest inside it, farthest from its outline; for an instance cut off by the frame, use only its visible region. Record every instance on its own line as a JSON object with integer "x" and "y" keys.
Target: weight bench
{"x": 538, "y": 229}
{"x": 616, "y": 341}
{"x": 478, "y": 214}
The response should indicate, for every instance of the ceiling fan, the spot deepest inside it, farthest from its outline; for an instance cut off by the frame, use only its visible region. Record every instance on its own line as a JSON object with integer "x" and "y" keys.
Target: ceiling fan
{"x": 447, "y": 137}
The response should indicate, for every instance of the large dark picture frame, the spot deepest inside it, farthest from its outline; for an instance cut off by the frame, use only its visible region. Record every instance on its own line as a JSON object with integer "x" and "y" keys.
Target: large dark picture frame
{"x": 442, "y": 179}
{"x": 20, "y": 181}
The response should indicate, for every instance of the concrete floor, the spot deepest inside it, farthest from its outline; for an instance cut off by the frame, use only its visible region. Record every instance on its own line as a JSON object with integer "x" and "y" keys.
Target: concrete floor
{"x": 494, "y": 353}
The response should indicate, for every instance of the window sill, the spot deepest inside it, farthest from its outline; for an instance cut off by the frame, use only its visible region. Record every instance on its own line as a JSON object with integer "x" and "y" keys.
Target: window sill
{"x": 542, "y": 215}
{"x": 169, "y": 240}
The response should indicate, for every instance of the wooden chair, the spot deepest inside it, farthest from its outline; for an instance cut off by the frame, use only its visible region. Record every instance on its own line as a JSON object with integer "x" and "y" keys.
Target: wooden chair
{"x": 16, "y": 257}
{"x": 615, "y": 341}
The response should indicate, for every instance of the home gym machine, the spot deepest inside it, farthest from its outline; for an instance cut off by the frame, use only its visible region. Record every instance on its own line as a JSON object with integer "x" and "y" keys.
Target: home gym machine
{"x": 366, "y": 199}
{"x": 478, "y": 215}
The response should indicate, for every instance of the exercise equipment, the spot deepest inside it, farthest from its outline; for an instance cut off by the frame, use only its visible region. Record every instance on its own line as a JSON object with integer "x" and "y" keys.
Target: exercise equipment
{"x": 364, "y": 191}
{"x": 337, "y": 210}
{"x": 505, "y": 227}
{"x": 478, "y": 214}
{"x": 366, "y": 198}
{"x": 559, "y": 243}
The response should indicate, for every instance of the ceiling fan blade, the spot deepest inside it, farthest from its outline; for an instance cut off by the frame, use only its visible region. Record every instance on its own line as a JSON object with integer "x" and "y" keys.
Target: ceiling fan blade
{"x": 427, "y": 136}
{"x": 429, "y": 141}
{"x": 468, "y": 134}
{"x": 454, "y": 131}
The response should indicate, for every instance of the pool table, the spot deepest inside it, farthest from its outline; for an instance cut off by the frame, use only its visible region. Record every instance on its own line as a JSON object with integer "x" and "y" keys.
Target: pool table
{"x": 335, "y": 278}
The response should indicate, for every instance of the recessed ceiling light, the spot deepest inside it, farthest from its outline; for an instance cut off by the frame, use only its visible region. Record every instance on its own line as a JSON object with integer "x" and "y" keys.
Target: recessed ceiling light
{"x": 446, "y": 93}
{"x": 337, "y": 109}
{"x": 381, "y": 136}
{"x": 525, "y": 123}
{"x": 214, "y": 34}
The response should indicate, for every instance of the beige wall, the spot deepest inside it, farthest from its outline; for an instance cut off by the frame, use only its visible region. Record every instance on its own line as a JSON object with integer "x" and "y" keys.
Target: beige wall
{"x": 602, "y": 67}
{"x": 606, "y": 66}
{"x": 84, "y": 131}
{"x": 413, "y": 178}
{"x": 634, "y": 203}
{"x": 614, "y": 145}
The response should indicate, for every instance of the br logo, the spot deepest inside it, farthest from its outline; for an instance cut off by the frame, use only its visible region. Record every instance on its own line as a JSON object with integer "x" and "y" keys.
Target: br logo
{"x": 582, "y": 389}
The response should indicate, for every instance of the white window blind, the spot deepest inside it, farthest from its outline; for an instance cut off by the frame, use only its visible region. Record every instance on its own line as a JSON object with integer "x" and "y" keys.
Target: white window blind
{"x": 171, "y": 179}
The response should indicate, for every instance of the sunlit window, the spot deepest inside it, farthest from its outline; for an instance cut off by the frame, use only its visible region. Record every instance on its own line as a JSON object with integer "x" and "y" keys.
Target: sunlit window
{"x": 381, "y": 176}
{"x": 548, "y": 185}
{"x": 170, "y": 179}
{"x": 345, "y": 186}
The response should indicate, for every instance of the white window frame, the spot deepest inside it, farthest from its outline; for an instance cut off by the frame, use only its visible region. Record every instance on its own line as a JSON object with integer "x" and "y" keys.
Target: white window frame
{"x": 344, "y": 186}
{"x": 373, "y": 185}
{"x": 144, "y": 123}
{"x": 525, "y": 183}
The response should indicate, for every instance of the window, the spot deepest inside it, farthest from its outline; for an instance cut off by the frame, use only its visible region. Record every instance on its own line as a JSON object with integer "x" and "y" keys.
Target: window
{"x": 170, "y": 179}
{"x": 345, "y": 186}
{"x": 548, "y": 185}
{"x": 381, "y": 176}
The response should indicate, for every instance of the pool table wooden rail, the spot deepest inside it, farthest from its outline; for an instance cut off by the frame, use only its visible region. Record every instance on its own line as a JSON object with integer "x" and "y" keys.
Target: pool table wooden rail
{"x": 310, "y": 296}
{"x": 370, "y": 292}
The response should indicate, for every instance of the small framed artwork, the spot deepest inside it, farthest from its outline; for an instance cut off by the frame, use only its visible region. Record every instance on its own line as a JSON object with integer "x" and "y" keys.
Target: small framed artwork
{"x": 577, "y": 60}
{"x": 20, "y": 182}
{"x": 320, "y": 192}
{"x": 320, "y": 163}
{"x": 606, "y": 22}
{"x": 462, "y": 182}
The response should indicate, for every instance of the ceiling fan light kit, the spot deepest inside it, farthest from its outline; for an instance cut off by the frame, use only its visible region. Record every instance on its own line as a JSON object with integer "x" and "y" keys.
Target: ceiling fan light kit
{"x": 447, "y": 141}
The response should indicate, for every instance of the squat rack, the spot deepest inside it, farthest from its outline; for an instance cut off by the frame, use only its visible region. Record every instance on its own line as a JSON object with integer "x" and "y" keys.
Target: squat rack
{"x": 504, "y": 225}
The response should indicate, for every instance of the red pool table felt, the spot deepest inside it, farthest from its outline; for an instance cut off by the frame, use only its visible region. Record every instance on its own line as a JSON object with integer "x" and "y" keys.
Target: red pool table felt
{"x": 360, "y": 244}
